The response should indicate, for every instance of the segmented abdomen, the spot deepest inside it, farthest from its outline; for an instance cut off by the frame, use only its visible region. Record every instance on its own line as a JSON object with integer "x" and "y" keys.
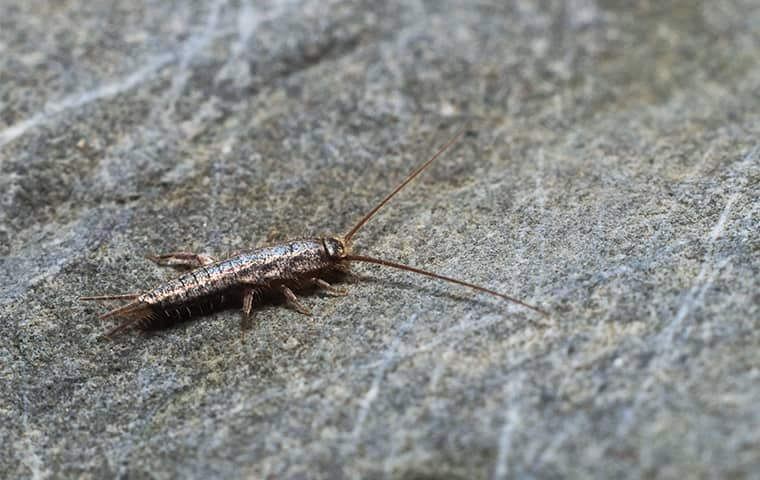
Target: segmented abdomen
{"x": 165, "y": 314}
{"x": 198, "y": 292}
{"x": 213, "y": 287}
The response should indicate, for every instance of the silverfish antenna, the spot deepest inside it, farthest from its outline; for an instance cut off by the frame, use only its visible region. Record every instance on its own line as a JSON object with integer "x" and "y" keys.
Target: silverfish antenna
{"x": 388, "y": 263}
{"x": 411, "y": 177}
{"x": 400, "y": 266}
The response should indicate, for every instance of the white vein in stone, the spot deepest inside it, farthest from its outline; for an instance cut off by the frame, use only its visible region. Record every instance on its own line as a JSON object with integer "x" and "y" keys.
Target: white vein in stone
{"x": 77, "y": 100}
{"x": 665, "y": 340}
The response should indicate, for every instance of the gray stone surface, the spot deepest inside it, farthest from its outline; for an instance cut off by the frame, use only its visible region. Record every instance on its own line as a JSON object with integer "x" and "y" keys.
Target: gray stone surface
{"x": 611, "y": 175}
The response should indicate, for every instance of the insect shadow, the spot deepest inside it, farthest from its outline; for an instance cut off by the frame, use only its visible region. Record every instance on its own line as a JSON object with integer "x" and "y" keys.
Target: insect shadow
{"x": 275, "y": 271}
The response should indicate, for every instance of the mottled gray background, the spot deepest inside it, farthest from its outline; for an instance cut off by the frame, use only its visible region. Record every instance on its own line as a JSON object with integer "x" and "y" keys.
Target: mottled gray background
{"x": 611, "y": 174}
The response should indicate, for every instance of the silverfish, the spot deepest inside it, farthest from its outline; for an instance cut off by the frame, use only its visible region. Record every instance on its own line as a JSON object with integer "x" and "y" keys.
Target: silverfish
{"x": 247, "y": 278}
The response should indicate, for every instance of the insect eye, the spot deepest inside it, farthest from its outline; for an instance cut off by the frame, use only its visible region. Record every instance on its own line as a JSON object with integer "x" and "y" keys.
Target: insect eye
{"x": 333, "y": 247}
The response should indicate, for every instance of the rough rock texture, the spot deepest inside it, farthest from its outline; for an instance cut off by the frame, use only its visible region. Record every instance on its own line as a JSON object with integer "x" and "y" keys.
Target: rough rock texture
{"x": 610, "y": 173}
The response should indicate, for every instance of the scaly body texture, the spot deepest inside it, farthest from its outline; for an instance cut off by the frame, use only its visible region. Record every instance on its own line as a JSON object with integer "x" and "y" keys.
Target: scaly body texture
{"x": 210, "y": 285}
{"x": 243, "y": 277}
{"x": 263, "y": 270}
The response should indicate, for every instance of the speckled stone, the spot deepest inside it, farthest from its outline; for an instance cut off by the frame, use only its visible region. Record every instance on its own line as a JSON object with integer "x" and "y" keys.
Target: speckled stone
{"x": 611, "y": 174}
